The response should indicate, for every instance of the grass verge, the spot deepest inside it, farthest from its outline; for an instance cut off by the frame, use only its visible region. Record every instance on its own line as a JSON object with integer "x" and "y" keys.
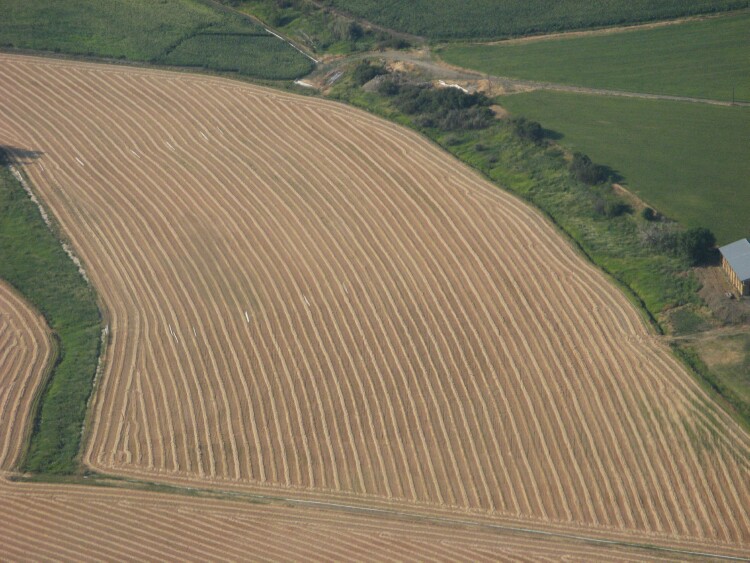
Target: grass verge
{"x": 33, "y": 261}
{"x": 656, "y": 282}
{"x": 715, "y": 385}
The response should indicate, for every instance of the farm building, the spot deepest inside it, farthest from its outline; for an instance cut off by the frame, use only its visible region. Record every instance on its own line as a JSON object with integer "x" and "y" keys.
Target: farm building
{"x": 735, "y": 259}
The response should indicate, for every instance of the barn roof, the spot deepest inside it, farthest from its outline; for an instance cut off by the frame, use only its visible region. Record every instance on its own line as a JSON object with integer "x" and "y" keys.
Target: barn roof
{"x": 738, "y": 256}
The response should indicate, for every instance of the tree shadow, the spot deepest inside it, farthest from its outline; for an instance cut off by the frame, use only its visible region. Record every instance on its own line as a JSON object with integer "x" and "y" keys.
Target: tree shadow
{"x": 613, "y": 175}
{"x": 10, "y": 154}
{"x": 552, "y": 135}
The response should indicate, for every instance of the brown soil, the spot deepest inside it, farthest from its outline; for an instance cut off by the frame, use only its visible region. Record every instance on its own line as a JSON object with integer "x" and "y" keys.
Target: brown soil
{"x": 500, "y": 112}
{"x": 716, "y": 286}
{"x": 305, "y": 298}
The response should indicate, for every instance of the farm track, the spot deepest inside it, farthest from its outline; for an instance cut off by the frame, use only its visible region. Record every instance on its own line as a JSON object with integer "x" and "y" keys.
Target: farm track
{"x": 304, "y": 298}
{"x": 510, "y": 85}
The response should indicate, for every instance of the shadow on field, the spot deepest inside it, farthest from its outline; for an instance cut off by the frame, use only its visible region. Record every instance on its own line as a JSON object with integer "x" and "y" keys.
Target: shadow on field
{"x": 15, "y": 154}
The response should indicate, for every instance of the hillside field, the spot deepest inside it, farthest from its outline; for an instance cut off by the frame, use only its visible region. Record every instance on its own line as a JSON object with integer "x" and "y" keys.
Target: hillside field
{"x": 485, "y": 19}
{"x": 68, "y": 522}
{"x": 687, "y": 160}
{"x": 704, "y": 59}
{"x": 304, "y": 298}
{"x": 172, "y": 32}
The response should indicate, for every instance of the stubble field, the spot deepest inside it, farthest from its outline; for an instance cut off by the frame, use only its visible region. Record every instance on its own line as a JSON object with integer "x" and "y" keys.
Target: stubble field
{"x": 25, "y": 351}
{"x": 71, "y": 522}
{"x": 304, "y": 298}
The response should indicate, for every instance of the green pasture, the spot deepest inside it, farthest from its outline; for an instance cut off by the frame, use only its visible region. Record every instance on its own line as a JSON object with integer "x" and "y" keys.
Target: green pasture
{"x": 689, "y": 161}
{"x": 484, "y": 19}
{"x": 33, "y": 261}
{"x": 163, "y": 32}
{"x": 253, "y": 55}
{"x": 706, "y": 59}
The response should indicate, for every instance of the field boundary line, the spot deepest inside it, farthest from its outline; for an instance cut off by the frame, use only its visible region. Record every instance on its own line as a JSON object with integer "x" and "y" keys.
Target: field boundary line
{"x": 610, "y": 30}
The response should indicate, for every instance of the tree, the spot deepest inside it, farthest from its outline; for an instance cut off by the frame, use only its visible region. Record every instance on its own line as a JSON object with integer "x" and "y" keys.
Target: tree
{"x": 529, "y": 130}
{"x": 355, "y": 31}
{"x": 586, "y": 171}
{"x": 697, "y": 244}
{"x": 365, "y": 71}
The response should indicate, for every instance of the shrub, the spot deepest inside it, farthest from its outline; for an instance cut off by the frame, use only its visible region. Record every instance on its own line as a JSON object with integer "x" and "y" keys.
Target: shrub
{"x": 586, "y": 171}
{"x": 616, "y": 208}
{"x": 346, "y": 30}
{"x": 649, "y": 214}
{"x": 660, "y": 236}
{"x": 449, "y": 109}
{"x": 395, "y": 43}
{"x": 528, "y": 130}
{"x": 697, "y": 245}
{"x": 366, "y": 71}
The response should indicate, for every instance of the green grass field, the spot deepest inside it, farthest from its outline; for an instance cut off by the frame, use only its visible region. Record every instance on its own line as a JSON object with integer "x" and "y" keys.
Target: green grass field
{"x": 33, "y": 261}
{"x": 729, "y": 358}
{"x": 252, "y": 55}
{"x": 690, "y": 161}
{"x": 163, "y": 32}
{"x": 483, "y": 19}
{"x": 704, "y": 59}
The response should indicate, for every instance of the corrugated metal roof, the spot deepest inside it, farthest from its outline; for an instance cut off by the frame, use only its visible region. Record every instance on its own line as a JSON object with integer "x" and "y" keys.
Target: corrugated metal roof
{"x": 738, "y": 256}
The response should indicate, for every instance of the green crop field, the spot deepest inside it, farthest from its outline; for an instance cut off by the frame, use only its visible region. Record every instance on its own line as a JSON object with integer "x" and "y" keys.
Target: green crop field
{"x": 455, "y": 19}
{"x": 253, "y": 55}
{"x": 690, "y": 161}
{"x": 34, "y": 262}
{"x": 706, "y": 59}
{"x": 165, "y": 32}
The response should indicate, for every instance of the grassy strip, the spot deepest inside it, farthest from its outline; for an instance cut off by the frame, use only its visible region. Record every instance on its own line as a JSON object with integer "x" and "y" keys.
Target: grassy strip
{"x": 539, "y": 174}
{"x": 689, "y": 161}
{"x": 32, "y": 260}
{"x": 653, "y": 281}
{"x": 703, "y": 59}
{"x": 154, "y": 32}
{"x": 453, "y": 19}
{"x": 714, "y": 385}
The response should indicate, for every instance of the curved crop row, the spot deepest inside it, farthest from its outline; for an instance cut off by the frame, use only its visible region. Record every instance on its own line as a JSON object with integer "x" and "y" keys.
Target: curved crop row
{"x": 303, "y": 297}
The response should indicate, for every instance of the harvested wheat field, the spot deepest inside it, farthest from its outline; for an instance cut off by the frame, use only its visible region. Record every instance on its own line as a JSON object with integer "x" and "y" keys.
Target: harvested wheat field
{"x": 308, "y": 300}
{"x": 71, "y": 523}
{"x": 25, "y": 350}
